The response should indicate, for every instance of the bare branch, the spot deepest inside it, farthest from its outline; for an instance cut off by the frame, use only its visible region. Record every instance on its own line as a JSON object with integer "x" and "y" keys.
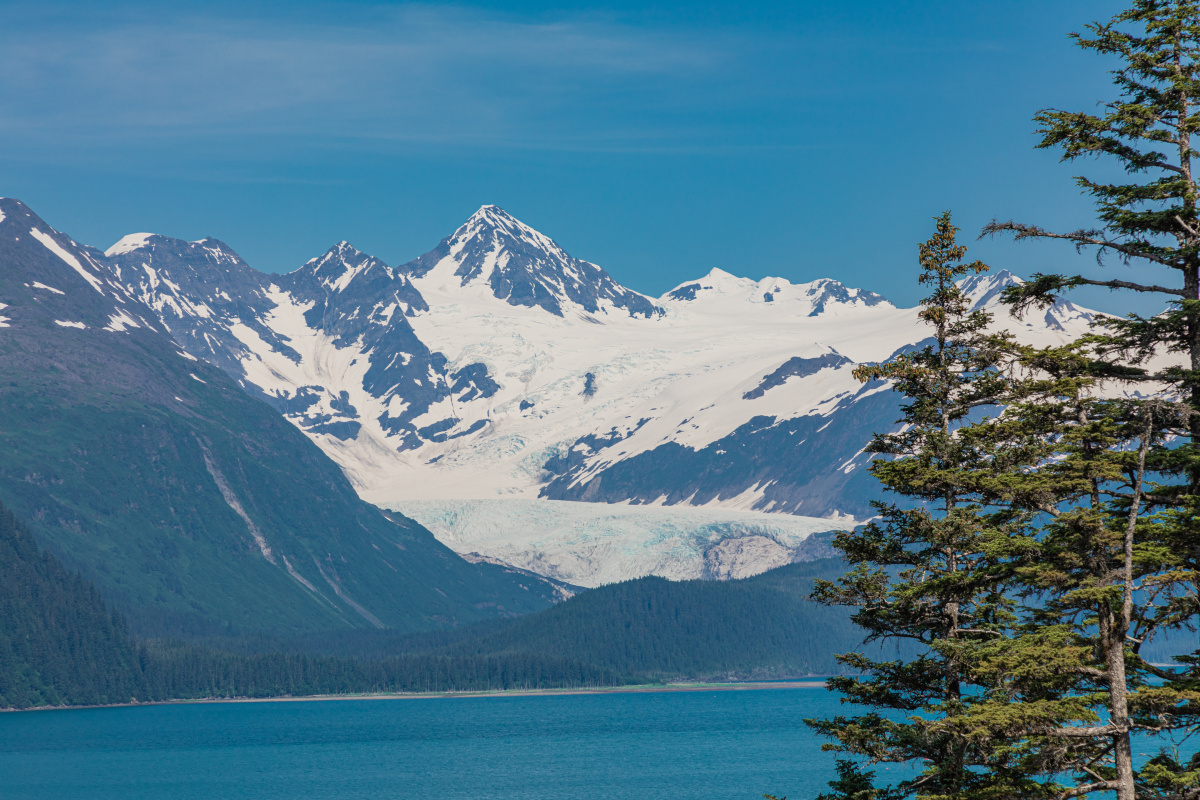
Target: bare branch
{"x": 1088, "y": 788}
{"x": 1086, "y": 733}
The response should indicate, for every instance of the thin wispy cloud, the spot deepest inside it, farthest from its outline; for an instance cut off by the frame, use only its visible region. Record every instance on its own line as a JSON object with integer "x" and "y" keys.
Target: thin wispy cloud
{"x": 412, "y": 74}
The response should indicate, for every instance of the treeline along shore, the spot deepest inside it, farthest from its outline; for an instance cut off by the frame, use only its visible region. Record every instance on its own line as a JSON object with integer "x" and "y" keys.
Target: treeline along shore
{"x": 62, "y": 645}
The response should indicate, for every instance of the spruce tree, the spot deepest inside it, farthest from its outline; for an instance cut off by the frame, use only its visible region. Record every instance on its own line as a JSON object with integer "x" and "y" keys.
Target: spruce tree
{"x": 924, "y": 571}
{"x": 1023, "y": 561}
{"x": 1128, "y": 551}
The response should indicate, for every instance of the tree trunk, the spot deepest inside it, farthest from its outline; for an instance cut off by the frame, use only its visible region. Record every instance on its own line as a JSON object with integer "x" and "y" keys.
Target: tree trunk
{"x": 1112, "y": 633}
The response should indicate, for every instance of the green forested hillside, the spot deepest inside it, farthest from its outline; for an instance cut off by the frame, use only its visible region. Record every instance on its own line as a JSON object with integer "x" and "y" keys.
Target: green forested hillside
{"x": 650, "y": 628}
{"x": 58, "y": 642}
{"x": 61, "y": 645}
{"x": 654, "y": 628}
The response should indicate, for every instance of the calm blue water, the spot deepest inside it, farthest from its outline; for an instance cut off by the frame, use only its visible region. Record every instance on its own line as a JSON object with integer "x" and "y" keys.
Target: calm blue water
{"x": 685, "y": 745}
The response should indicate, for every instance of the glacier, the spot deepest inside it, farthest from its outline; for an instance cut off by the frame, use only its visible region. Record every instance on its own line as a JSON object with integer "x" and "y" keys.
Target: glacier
{"x": 590, "y": 544}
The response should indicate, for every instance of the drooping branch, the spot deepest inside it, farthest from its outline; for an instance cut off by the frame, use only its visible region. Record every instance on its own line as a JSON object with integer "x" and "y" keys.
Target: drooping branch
{"x": 1082, "y": 239}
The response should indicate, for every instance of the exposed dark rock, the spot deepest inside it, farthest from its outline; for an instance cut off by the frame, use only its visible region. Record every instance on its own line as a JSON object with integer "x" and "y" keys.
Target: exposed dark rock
{"x": 685, "y": 292}
{"x": 473, "y": 382}
{"x": 796, "y": 367}
{"x": 811, "y": 465}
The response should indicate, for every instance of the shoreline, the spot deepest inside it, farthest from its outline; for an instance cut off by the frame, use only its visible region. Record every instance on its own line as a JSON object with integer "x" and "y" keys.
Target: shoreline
{"x": 452, "y": 695}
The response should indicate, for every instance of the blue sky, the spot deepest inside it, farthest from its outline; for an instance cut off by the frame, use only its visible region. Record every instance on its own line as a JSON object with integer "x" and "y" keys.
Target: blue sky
{"x": 660, "y": 140}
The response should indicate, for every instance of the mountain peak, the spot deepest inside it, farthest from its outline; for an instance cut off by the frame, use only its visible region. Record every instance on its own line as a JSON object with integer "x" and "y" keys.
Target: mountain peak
{"x": 342, "y": 264}
{"x": 493, "y": 225}
{"x": 12, "y": 207}
{"x": 342, "y": 250}
{"x": 208, "y": 249}
{"x": 51, "y": 278}
{"x": 495, "y": 253}
{"x": 985, "y": 289}
{"x": 127, "y": 244}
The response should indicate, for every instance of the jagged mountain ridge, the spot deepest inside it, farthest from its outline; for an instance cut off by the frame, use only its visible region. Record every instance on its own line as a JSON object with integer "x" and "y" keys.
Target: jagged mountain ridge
{"x": 194, "y": 507}
{"x": 497, "y": 365}
{"x": 524, "y": 267}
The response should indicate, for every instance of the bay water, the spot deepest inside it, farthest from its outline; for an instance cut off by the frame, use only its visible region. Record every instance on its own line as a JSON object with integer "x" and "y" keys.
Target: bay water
{"x": 665, "y": 745}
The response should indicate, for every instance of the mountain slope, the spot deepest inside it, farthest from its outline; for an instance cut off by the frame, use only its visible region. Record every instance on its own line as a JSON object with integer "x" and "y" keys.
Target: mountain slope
{"x": 647, "y": 628}
{"x": 195, "y": 507}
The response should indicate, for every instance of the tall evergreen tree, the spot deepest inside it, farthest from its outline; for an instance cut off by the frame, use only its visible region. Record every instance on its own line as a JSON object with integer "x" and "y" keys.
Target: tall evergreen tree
{"x": 1016, "y": 562}
{"x": 1135, "y": 539}
{"x": 923, "y": 572}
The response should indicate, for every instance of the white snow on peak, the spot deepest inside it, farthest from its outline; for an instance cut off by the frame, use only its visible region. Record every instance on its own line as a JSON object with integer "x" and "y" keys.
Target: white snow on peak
{"x": 985, "y": 289}
{"x": 70, "y": 260}
{"x": 127, "y": 244}
{"x": 494, "y": 220}
{"x": 338, "y": 257}
{"x": 722, "y": 290}
{"x": 340, "y": 248}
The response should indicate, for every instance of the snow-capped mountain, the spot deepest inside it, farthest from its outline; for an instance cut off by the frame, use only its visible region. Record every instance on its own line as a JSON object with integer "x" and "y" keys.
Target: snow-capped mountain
{"x": 498, "y": 366}
{"x": 494, "y": 254}
{"x": 985, "y": 290}
{"x": 58, "y": 283}
{"x": 195, "y": 508}
{"x": 720, "y": 289}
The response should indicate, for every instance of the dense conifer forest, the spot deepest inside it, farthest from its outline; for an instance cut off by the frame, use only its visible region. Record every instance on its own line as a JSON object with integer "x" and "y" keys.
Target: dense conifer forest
{"x": 61, "y": 645}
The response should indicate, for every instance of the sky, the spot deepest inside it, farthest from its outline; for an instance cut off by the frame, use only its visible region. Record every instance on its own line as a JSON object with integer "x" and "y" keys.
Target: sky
{"x": 800, "y": 140}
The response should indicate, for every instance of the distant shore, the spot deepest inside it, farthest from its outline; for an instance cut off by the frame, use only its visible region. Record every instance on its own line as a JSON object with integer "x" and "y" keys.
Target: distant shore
{"x": 633, "y": 689}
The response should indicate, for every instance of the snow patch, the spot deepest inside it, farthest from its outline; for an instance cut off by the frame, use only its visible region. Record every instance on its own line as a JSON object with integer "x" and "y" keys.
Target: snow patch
{"x": 232, "y": 501}
{"x": 68, "y": 324}
{"x": 39, "y": 285}
{"x": 69, "y": 259}
{"x": 121, "y": 321}
{"x": 127, "y": 244}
